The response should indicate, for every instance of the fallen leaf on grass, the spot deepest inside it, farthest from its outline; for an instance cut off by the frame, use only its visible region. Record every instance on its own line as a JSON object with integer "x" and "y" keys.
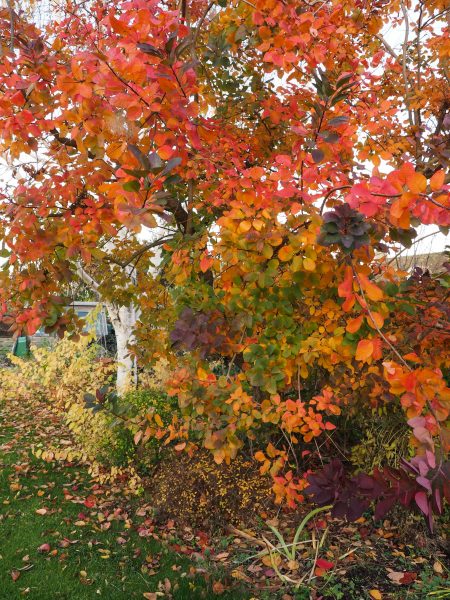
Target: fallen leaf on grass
{"x": 268, "y": 560}
{"x": 401, "y": 578}
{"x": 15, "y": 574}
{"x": 84, "y": 578}
{"x": 437, "y": 567}
{"x": 375, "y": 594}
{"x": 150, "y": 595}
{"x": 90, "y": 502}
{"x": 238, "y": 574}
{"x": 41, "y": 511}
{"x": 218, "y": 588}
{"x": 221, "y": 556}
{"x": 44, "y": 548}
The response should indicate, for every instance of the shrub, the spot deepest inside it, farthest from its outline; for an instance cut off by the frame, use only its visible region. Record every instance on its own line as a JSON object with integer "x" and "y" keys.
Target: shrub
{"x": 421, "y": 484}
{"x": 384, "y": 438}
{"x": 61, "y": 374}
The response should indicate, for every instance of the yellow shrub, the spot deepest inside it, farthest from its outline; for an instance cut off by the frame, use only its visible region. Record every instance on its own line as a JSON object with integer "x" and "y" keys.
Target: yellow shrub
{"x": 61, "y": 375}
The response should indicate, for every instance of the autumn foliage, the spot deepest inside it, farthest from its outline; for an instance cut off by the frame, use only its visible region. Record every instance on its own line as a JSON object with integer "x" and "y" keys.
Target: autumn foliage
{"x": 281, "y": 152}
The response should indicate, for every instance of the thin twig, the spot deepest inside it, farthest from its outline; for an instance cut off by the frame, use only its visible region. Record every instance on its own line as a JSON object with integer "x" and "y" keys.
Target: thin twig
{"x": 11, "y": 25}
{"x": 404, "y": 66}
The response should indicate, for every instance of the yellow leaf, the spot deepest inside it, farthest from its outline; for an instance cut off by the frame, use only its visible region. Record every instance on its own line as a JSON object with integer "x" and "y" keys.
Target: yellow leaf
{"x": 297, "y": 263}
{"x": 244, "y": 226}
{"x": 202, "y": 374}
{"x": 158, "y": 420}
{"x": 286, "y": 253}
{"x": 309, "y": 264}
{"x": 375, "y": 594}
{"x": 364, "y": 350}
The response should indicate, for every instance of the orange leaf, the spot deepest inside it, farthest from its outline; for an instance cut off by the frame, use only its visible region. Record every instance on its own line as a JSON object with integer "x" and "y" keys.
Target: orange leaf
{"x": 346, "y": 287}
{"x": 353, "y": 325}
{"x": 437, "y": 180}
{"x": 286, "y": 253}
{"x": 375, "y": 320}
{"x": 245, "y": 226}
{"x": 165, "y": 152}
{"x": 375, "y": 594}
{"x": 205, "y": 263}
{"x": 118, "y": 26}
{"x": 364, "y": 350}
{"x": 372, "y": 291}
{"x": 417, "y": 183}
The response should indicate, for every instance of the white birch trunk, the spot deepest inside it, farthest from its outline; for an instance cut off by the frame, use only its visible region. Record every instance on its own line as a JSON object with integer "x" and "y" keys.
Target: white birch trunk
{"x": 123, "y": 320}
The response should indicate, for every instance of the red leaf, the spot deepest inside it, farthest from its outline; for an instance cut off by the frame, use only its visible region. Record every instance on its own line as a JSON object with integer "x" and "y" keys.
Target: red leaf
{"x": 324, "y": 564}
{"x": 89, "y": 502}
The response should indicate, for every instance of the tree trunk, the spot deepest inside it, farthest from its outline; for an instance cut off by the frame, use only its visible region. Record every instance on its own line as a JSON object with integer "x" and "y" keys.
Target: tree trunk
{"x": 123, "y": 320}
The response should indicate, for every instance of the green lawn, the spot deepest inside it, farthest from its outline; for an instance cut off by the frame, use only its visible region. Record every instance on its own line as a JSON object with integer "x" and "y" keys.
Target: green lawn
{"x": 85, "y": 559}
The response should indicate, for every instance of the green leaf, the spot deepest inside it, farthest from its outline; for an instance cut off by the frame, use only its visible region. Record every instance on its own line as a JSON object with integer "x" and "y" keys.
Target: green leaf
{"x": 132, "y": 186}
{"x": 407, "y": 308}
{"x": 391, "y": 289}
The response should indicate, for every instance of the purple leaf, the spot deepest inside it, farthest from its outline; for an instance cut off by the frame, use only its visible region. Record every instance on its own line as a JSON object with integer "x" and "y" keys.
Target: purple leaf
{"x": 317, "y": 155}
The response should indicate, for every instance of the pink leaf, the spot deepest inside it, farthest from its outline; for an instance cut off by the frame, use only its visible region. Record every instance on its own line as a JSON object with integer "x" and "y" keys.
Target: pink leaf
{"x": 422, "y": 502}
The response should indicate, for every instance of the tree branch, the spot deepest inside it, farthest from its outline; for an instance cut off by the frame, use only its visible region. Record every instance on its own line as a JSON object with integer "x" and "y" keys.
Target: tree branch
{"x": 404, "y": 66}
{"x": 139, "y": 252}
{"x": 87, "y": 279}
{"x": 12, "y": 17}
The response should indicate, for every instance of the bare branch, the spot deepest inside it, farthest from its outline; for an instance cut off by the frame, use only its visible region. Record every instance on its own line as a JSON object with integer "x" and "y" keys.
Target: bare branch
{"x": 87, "y": 279}
{"x": 404, "y": 65}
{"x": 12, "y": 18}
{"x": 139, "y": 252}
{"x": 387, "y": 46}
